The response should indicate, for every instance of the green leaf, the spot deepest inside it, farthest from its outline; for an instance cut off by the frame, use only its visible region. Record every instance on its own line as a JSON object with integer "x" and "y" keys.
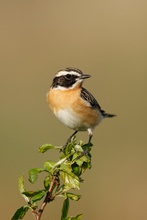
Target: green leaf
{"x": 21, "y": 184}
{"x": 65, "y": 208}
{"x": 73, "y": 140}
{"x": 76, "y": 169}
{"x": 33, "y": 174}
{"x": 78, "y": 217}
{"x": 35, "y": 195}
{"x": 39, "y": 196}
{"x": 68, "y": 149}
{"x": 21, "y": 188}
{"x": 73, "y": 196}
{"x": 46, "y": 147}
{"x": 85, "y": 146}
{"x": 49, "y": 165}
{"x": 78, "y": 148}
{"x": 83, "y": 159}
{"x": 47, "y": 182}
{"x": 20, "y": 213}
{"x": 70, "y": 180}
{"x": 61, "y": 161}
{"x": 66, "y": 167}
{"x": 86, "y": 165}
{"x": 31, "y": 194}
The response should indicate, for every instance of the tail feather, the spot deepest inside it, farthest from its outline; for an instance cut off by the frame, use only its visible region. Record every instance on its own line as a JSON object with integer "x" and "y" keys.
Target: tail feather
{"x": 107, "y": 115}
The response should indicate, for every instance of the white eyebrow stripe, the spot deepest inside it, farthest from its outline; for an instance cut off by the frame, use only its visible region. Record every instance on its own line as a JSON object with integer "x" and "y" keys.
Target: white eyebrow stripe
{"x": 64, "y": 73}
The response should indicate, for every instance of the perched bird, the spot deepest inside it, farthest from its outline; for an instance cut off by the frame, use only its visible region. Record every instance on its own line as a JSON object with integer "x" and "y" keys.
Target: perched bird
{"x": 74, "y": 105}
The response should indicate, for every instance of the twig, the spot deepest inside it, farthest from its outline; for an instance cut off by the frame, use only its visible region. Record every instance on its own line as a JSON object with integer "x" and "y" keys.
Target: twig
{"x": 49, "y": 197}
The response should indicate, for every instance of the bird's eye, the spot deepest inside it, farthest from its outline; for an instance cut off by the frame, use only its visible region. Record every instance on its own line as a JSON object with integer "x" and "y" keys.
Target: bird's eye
{"x": 68, "y": 76}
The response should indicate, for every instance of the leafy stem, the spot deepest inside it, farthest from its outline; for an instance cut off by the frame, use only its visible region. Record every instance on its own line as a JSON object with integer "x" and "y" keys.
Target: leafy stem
{"x": 61, "y": 177}
{"x": 48, "y": 198}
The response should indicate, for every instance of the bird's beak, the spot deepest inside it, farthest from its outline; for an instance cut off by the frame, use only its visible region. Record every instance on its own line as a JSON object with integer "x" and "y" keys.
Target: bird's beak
{"x": 85, "y": 76}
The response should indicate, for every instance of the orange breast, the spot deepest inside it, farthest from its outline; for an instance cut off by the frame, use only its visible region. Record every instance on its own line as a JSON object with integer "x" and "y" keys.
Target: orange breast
{"x": 70, "y": 99}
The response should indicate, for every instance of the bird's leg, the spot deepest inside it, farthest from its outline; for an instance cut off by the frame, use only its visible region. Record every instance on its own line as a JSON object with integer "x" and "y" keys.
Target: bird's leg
{"x": 90, "y": 137}
{"x": 68, "y": 140}
{"x": 86, "y": 151}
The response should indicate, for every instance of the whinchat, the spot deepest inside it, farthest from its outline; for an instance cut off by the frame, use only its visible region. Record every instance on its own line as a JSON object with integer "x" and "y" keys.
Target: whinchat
{"x": 74, "y": 105}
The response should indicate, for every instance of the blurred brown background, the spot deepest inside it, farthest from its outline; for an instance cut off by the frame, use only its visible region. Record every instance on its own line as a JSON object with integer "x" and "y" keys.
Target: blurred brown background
{"x": 107, "y": 39}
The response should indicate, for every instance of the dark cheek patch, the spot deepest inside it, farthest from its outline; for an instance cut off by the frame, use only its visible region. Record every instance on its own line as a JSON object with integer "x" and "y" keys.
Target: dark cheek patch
{"x": 64, "y": 82}
{"x": 61, "y": 81}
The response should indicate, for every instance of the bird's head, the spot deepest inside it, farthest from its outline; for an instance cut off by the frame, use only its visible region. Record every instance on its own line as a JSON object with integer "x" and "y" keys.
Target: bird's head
{"x": 69, "y": 78}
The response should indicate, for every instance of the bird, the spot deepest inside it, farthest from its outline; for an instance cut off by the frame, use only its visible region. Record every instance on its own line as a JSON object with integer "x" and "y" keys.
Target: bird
{"x": 74, "y": 105}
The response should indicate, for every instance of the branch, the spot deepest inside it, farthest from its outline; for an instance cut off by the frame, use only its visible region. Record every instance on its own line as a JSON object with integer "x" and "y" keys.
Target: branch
{"x": 49, "y": 197}
{"x": 73, "y": 162}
